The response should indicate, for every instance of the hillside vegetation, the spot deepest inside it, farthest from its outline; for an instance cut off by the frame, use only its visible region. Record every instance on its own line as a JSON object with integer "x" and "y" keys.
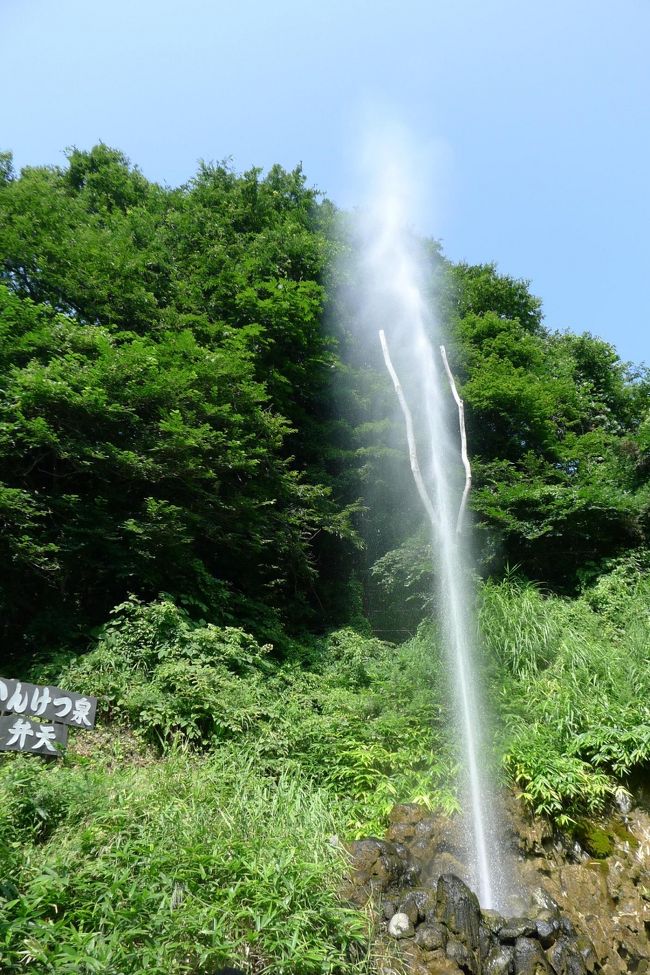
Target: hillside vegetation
{"x": 206, "y": 524}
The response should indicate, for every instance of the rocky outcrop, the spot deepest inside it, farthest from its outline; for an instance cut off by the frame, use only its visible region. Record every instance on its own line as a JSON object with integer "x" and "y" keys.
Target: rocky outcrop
{"x": 577, "y": 914}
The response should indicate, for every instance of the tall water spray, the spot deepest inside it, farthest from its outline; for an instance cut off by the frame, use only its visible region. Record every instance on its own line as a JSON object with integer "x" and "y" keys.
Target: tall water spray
{"x": 395, "y": 281}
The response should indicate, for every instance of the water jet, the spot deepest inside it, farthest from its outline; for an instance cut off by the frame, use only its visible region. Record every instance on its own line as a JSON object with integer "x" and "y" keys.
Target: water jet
{"x": 401, "y": 308}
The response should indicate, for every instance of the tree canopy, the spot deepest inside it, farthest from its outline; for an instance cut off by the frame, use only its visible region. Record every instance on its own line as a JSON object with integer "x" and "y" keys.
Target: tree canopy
{"x": 179, "y": 413}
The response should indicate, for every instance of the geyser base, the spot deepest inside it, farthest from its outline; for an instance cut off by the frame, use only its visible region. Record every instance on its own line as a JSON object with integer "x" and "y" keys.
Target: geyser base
{"x": 428, "y": 914}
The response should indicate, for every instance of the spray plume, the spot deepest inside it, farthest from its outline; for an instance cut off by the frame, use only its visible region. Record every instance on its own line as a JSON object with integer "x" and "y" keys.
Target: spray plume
{"x": 394, "y": 284}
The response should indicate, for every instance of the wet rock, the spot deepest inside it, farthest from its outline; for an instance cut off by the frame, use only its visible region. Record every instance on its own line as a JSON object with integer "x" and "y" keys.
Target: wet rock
{"x": 441, "y": 863}
{"x": 457, "y": 907}
{"x": 516, "y": 927}
{"x": 548, "y": 928}
{"x": 565, "y": 958}
{"x": 463, "y": 956}
{"x": 407, "y": 813}
{"x": 598, "y": 909}
{"x": 518, "y": 906}
{"x": 542, "y": 900}
{"x": 529, "y": 959}
{"x": 587, "y": 953}
{"x": 487, "y": 940}
{"x": 492, "y": 920}
{"x": 500, "y": 961}
{"x": 431, "y": 936}
{"x": 419, "y": 904}
{"x": 412, "y": 875}
{"x": 623, "y": 801}
{"x": 566, "y": 925}
{"x": 409, "y": 907}
{"x": 400, "y": 926}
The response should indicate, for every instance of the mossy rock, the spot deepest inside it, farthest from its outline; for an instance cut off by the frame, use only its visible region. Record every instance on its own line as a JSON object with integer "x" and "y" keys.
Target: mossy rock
{"x": 597, "y": 840}
{"x": 622, "y": 833}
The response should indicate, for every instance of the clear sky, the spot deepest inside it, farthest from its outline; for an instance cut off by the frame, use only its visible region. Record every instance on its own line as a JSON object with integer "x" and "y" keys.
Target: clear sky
{"x": 535, "y": 114}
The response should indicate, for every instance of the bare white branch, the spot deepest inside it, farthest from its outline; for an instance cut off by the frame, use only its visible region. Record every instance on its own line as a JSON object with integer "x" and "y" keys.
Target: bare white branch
{"x": 408, "y": 419}
{"x": 463, "y": 441}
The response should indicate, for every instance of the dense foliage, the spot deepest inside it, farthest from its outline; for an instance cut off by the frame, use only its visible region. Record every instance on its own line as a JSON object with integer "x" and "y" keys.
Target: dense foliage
{"x": 204, "y": 520}
{"x": 163, "y": 374}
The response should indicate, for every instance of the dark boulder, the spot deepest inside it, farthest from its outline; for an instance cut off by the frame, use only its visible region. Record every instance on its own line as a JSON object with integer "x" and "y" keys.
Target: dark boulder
{"x": 388, "y": 908}
{"x": 500, "y": 961}
{"x": 542, "y": 900}
{"x": 463, "y": 956}
{"x": 588, "y": 953}
{"x": 419, "y": 904}
{"x": 493, "y": 921}
{"x": 458, "y": 909}
{"x": 377, "y": 863}
{"x": 548, "y": 928}
{"x": 529, "y": 959}
{"x": 516, "y": 927}
{"x": 566, "y": 959}
{"x": 431, "y": 936}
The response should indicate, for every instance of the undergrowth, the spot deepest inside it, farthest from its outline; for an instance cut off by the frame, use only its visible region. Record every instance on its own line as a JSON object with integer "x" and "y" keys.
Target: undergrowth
{"x": 366, "y": 719}
{"x": 195, "y": 825}
{"x": 572, "y": 681}
{"x": 178, "y": 866}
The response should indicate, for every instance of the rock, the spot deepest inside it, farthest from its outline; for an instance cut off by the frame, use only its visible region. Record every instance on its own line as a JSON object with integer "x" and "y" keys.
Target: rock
{"x": 587, "y": 953}
{"x": 400, "y": 926}
{"x": 376, "y": 862}
{"x": 518, "y": 905}
{"x": 457, "y": 907}
{"x": 541, "y": 899}
{"x": 500, "y": 961}
{"x": 408, "y": 813}
{"x": 517, "y": 927}
{"x": 598, "y": 909}
{"x": 409, "y": 907}
{"x": 623, "y": 800}
{"x": 547, "y": 928}
{"x": 566, "y": 925}
{"x": 431, "y": 936}
{"x": 487, "y": 940}
{"x": 441, "y": 863}
{"x": 529, "y": 959}
{"x": 419, "y": 904}
{"x": 566, "y": 958}
{"x": 493, "y": 921}
{"x": 462, "y": 956}
{"x": 388, "y": 909}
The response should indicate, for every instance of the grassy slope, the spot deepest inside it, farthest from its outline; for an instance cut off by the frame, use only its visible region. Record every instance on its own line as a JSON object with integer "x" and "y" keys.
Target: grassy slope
{"x": 195, "y": 826}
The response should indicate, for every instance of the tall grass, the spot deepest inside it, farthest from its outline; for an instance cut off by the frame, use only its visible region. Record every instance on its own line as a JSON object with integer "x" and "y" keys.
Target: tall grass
{"x": 177, "y": 866}
{"x": 573, "y": 683}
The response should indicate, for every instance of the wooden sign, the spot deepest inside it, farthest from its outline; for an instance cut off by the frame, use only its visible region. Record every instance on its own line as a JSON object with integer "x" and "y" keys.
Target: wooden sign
{"x": 18, "y": 734}
{"x": 47, "y": 702}
{"x": 20, "y": 702}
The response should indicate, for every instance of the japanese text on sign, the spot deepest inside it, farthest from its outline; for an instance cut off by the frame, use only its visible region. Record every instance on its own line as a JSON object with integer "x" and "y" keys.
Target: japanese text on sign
{"x": 50, "y": 703}
{"x": 18, "y": 734}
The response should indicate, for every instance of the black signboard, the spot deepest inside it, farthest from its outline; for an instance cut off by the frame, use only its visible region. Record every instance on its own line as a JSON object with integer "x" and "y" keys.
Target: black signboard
{"x": 49, "y": 703}
{"x": 20, "y": 734}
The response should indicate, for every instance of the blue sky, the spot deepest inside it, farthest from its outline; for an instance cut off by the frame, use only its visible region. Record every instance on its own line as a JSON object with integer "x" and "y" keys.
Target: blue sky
{"x": 535, "y": 117}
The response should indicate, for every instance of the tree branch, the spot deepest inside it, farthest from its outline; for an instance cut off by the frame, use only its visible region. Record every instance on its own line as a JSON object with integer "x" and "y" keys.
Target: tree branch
{"x": 463, "y": 441}
{"x": 413, "y": 457}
